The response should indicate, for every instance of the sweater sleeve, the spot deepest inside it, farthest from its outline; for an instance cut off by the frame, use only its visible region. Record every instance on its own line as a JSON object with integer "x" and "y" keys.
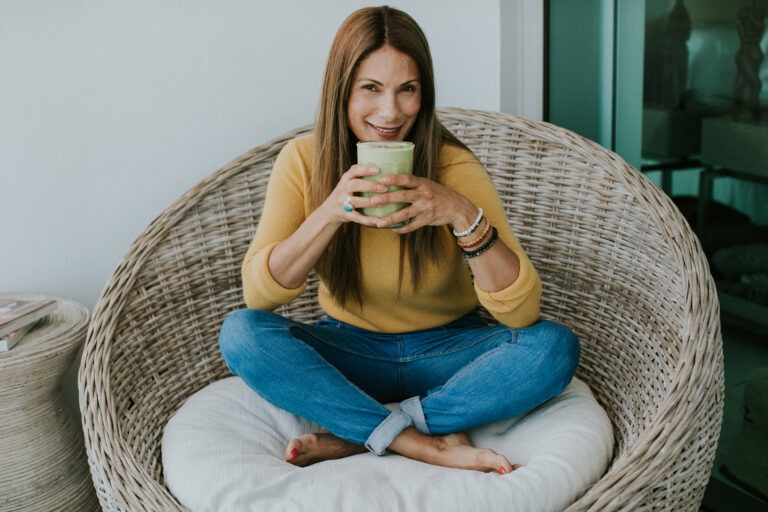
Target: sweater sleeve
{"x": 284, "y": 211}
{"x": 518, "y": 304}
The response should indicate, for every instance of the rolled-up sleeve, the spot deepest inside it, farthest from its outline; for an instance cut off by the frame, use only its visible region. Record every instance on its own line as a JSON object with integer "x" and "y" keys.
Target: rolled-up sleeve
{"x": 518, "y": 304}
{"x": 262, "y": 291}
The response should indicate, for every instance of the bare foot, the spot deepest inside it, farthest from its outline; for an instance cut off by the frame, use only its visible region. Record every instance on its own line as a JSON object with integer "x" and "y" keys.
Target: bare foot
{"x": 311, "y": 448}
{"x": 453, "y": 451}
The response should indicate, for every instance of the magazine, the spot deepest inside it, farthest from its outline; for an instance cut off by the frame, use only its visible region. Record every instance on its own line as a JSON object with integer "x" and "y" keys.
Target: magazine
{"x": 17, "y": 317}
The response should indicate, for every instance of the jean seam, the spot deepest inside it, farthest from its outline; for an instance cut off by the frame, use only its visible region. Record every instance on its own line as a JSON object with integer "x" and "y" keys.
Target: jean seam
{"x": 411, "y": 359}
{"x": 400, "y": 366}
{"x": 470, "y": 366}
{"x": 339, "y": 347}
{"x": 400, "y": 358}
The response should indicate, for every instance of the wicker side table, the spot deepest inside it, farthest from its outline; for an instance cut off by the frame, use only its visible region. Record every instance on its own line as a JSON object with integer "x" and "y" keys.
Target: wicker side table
{"x": 43, "y": 465}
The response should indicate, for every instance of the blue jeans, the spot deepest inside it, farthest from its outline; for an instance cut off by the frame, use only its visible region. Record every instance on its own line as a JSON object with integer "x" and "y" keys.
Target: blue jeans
{"x": 446, "y": 380}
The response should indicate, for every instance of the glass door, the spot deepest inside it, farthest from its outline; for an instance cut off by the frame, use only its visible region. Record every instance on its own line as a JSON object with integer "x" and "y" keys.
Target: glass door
{"x": 679, "y": 88}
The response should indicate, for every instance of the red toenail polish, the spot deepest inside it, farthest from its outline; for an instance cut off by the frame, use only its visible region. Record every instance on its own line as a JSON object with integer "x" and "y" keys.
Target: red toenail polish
{"x": 502, "y": 470}
{"x": 294, "y": 453}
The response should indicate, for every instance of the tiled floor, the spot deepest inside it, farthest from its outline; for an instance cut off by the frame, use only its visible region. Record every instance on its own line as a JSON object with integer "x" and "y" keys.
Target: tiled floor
{"x": 743, "y": 350}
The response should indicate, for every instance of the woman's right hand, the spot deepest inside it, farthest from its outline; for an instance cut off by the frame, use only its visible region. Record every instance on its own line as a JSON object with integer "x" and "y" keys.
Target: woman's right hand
{"x": 292, "y": 259}
{"x": 348, "y": 191}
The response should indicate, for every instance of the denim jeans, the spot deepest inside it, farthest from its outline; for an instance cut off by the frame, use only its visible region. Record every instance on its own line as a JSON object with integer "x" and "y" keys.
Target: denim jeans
{"x": 446, "y": 380}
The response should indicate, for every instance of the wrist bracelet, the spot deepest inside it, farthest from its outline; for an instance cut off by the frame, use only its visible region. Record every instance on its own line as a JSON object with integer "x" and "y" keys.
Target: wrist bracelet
{"x": 477, "y": 252}
{"x": 471, "y": 228}
{"x": 479, "y": 240}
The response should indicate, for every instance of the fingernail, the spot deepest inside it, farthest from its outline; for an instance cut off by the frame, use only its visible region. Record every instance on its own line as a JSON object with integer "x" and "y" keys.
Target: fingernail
{"x": 502, "y": 470}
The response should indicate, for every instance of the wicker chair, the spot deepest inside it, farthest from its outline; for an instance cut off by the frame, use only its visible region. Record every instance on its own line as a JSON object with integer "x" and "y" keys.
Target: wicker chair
{"x": 619, "y": 265}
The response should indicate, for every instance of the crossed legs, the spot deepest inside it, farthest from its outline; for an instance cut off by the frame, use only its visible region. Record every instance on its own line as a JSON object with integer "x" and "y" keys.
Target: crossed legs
{"x": 334, "y": 375}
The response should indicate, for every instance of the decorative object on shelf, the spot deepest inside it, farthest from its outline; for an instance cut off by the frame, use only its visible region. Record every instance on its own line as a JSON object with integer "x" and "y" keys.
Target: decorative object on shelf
{"x": 671, "y": 128}
{"x": 747, "y": 86}
{"x": 677, "y": 30}
{"x": 665, "y": 79}
{"x": 43, "y": 465}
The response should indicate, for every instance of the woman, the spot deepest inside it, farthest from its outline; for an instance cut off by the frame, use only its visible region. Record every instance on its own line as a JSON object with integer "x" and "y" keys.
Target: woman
{"x": 402, "y": 324}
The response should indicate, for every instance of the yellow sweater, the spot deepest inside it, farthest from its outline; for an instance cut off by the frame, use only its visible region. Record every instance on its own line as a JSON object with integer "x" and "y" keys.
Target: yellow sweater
{"x": 446, "y": 292}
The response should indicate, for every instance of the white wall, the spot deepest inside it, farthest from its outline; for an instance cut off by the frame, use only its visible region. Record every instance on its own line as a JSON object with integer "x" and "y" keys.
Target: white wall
{"x": 109, "y": 110}
{"x": 522, "y": 57}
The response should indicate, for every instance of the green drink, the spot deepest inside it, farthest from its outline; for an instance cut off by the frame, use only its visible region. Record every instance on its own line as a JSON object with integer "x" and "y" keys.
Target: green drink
{"x": 390, "y": 158}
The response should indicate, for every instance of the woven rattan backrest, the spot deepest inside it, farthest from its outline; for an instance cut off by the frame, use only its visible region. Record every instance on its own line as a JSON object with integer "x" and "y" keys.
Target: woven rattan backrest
{"x": 619, "y": 265}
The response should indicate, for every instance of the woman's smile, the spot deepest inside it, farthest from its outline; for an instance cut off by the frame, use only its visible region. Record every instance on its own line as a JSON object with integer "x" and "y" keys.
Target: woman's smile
{"x": 387, "y": 133}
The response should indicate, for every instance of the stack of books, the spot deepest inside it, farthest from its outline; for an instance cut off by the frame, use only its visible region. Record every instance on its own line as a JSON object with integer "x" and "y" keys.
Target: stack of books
{"x": 17, "y": 317}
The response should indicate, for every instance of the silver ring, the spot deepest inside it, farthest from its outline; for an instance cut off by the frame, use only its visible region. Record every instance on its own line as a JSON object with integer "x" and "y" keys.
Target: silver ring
{"x": 348, "y": 205}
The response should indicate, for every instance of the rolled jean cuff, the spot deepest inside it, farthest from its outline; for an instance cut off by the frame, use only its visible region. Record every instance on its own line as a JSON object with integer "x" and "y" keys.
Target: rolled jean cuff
{"x": 412, "y": 407}
{"x": 383, "y": 435}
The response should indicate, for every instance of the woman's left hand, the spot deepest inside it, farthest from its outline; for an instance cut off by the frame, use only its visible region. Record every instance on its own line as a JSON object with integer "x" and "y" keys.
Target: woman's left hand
{"x": 431, "y": 204}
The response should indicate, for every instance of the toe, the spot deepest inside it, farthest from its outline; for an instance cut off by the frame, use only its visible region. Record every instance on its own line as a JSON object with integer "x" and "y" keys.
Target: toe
{"x": 292, "y": 450}
{"x": 506, "y": 467}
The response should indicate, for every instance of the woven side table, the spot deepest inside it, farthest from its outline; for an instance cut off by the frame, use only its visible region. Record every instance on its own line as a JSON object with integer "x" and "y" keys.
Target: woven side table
{"x": 43, "y": 465}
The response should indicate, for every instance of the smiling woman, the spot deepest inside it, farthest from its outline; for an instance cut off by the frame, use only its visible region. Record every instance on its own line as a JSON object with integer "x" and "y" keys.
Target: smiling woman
{"x": 402, "y": 324}
{"x": 387, "y": 50}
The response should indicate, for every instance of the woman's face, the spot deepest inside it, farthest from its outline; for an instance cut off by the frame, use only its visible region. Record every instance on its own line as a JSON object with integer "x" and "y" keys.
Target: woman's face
{"x": 385, "y": 97}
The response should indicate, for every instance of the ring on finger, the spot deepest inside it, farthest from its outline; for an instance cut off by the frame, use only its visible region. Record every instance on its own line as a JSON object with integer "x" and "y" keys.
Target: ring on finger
{"x": 348, "y": 205}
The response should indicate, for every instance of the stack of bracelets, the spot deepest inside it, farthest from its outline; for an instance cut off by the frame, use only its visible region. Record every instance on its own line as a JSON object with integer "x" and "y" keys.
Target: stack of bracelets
{"x": 478, "y": 245}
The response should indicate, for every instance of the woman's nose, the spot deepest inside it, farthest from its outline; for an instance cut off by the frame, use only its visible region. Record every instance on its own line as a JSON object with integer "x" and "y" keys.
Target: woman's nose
{"x": 388, "y": 109}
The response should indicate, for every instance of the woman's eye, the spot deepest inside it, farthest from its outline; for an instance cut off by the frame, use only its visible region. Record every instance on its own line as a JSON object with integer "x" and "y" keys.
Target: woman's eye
{"x": 409, "y": 88}
{"x": 369, "y": 87}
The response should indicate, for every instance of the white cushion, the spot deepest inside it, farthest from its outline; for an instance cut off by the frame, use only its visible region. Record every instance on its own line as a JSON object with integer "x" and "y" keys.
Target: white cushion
{"x": 223, "y": 450}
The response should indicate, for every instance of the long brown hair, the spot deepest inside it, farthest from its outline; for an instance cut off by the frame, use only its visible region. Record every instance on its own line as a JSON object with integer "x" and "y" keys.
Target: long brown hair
{"x": 362, "y": 33}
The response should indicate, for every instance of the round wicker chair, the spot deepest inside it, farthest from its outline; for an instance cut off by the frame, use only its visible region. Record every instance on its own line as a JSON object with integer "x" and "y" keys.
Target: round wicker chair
{"x": 619, "y": 264}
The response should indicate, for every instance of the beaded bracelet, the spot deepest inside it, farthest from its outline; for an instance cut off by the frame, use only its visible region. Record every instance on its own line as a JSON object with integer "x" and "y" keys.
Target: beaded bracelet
{"x": 479, "y": 240}
{"x": 472, "y": 228}
{"x": 477, "y": 252}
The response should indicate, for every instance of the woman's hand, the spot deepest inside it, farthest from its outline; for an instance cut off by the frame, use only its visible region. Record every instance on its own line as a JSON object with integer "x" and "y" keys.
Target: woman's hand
{"x": 292, "y": 259}
{"x": 348, "y": 191}
{"x": 431, "y": 204}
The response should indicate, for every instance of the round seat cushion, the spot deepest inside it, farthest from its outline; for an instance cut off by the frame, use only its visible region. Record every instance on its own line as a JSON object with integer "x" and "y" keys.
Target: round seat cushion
{"x": 223, "y": 450}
